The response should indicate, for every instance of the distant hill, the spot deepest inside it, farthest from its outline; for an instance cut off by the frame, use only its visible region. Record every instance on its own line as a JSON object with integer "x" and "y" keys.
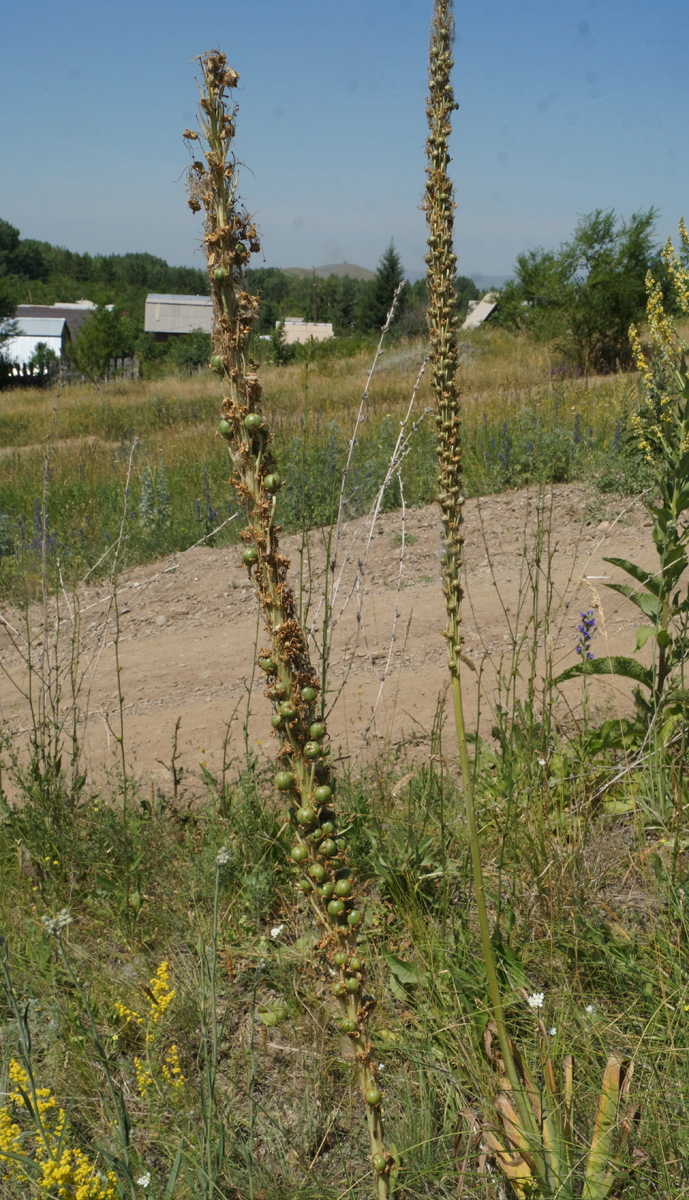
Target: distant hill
{"x": 340, "y": 269}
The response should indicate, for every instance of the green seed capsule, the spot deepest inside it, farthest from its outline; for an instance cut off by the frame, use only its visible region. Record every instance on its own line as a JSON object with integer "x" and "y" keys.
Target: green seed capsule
{"x": 283, "y": 780}
{"x": 348, "y": 1025}
{"x": 316, "y": 835}
{"x": 341, "y": 844}
{"x": 306, "y": 885}
{"x": 217, "y": 363}
{"x": 253, "y": 422}
{"x": 267, "y": 665}
{"x": 339, "y": 988}
{"x": 379, "y": 1163}
{"x": 355, "y": 917}
{"x": 343, "y": 887}
{"x": 326, "y": 890}
{"x": 225, "y": 428}
{"x": 272, "y": 483}
{"x": 328, "y": 828}
{"x": 317, "y": 731}
{"x": 352, "y": 984}
{"x": 308, "y": 694}
{"x": 249, "y": 555}
{"x": 288, "y": 709}
{"x": 355, "y": 963}
{"x": 322, "y": 794}
{"x": 220, "y": 274}
{"x": 312, "y": 749}
{"x": 340, "y": 959}
{"x": 305, "y": 816}
{"x": 373, "y": 1096}
{"x": 299, "y": 853}
{"x": 335, "y": 908}
{"x": 276, "y": 721}
{"x": 328, "y": 847}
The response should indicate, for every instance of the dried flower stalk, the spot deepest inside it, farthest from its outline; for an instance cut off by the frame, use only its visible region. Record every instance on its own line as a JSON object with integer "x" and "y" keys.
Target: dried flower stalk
{"x": 304, "y": 775}
{"x": 444, "y": 355}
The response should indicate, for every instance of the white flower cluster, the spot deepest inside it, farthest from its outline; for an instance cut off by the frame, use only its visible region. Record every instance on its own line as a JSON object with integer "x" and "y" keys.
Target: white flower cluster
{"x": 535, "y": 1000}
{"x": 55, "y": 925}
{"x": 222, "y": 857}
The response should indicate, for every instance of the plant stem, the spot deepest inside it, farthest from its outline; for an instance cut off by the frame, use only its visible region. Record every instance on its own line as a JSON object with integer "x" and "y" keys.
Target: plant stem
{"x": 442, "y": 322}
{"x": 304, "y": 778}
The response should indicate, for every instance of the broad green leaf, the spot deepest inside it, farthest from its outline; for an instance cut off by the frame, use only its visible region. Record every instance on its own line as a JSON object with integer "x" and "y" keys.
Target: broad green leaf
{"x": 643, "y": 633}
{"x": 649, "y": 604}
{"x": 641, "y": 575}
{"x": 617, "y": 664}
{"x": 404, "y": 972}
{"x": 271, "y": 1013}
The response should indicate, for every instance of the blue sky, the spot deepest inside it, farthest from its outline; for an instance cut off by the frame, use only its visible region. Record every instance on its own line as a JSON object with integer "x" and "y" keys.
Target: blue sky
{"x": 564, "y": 107}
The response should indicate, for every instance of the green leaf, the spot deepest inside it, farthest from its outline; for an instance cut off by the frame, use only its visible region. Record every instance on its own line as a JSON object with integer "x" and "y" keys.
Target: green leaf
{"x": 649, "y": 604}
{"x": 617, "y": 664}
{"x": 643, "y": 633}
{"x": 404, "y": 972}
{"x": 271, "y": 1013}
{"x": 641, "y": 575}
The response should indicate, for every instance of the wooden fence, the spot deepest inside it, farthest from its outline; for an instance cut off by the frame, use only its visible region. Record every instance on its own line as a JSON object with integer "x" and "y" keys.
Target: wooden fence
{"x": 63, "y": 373}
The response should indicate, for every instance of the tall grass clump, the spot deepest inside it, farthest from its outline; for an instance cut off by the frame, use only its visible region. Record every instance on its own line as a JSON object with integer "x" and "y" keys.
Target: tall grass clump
{"x": 304, "y": 777}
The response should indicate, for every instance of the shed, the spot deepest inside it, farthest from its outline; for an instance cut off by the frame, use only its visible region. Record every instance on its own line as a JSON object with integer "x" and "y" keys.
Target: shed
{"x": 167, "y": 316}
{"x": 296, "y": 329}
{"x": 74, "y": 314}
{"x": 51, "y": 331}
{"x": 479, "y": 310}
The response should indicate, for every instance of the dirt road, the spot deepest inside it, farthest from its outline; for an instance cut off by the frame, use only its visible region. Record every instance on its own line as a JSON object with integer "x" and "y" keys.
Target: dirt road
{"x": 188, "y": 629}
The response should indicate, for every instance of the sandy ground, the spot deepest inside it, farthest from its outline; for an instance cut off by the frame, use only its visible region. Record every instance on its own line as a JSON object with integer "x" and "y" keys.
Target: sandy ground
{"x": 188, "y": 631}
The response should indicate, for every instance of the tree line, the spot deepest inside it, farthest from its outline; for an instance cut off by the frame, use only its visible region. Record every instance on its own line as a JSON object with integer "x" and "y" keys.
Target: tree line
{"x": 581, "y": 297}
{"x": 35, "y": 272}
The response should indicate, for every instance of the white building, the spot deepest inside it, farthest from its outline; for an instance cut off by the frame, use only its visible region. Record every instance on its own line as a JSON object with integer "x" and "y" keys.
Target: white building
{"x": 296, "y": 329}
{"x": 21, "y": 347}
{"x": 167, "y": 316}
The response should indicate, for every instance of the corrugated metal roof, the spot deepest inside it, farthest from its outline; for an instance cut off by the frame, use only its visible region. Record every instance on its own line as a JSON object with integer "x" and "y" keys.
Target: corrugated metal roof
{"x": 37, "y": 327}
{"x": 178, "y": 314}
{"x": 477, "y": 315}
{"x": 203, "y": 301}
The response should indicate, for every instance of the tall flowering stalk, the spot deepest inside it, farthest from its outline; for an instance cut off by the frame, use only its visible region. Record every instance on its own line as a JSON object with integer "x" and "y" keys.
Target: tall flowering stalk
{"x": 444, "y": 355}
{"x": 536, "y": 1151}
{"x": 304, "y": 776}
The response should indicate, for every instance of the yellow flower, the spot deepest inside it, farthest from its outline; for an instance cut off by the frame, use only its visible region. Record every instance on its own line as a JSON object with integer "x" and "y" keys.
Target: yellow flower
{"x": 171, "y": 1068}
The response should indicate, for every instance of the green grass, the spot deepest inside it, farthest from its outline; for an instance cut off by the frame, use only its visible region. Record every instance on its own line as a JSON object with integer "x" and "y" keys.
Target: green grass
{"x": 545, "y": 429}
{"x": 610, "y": 970}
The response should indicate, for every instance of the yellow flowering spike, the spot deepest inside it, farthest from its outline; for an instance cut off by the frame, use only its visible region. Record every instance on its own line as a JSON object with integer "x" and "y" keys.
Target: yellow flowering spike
{"x": 144, "y": 1078}
{"x": 160, "y": 993}
{"x": 127, "y": 1014}
{"x": 171, "y": 1068}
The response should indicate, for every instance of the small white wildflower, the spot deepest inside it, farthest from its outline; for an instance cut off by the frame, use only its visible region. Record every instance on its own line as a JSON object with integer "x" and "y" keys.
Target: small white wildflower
{"x": 590, "y": 1009}
{"x": 541, "y": 762}
{"x": 144, "y": 1180}
{"x": 55, "y": 925}
{"x": 535, "y": 1000}
{"x": 552, "y": 1032}
{"x": 222, "y": 857}
{"x": 276, "y": 931}
{"x": 381, "y": 1066}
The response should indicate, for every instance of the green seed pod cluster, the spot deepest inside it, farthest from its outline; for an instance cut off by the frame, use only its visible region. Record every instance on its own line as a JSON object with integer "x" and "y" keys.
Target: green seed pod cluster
{"x": 303, "y": 775}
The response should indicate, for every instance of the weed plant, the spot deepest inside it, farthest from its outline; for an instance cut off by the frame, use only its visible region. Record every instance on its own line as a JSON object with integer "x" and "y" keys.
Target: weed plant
{"x": 166, "y": 1026}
